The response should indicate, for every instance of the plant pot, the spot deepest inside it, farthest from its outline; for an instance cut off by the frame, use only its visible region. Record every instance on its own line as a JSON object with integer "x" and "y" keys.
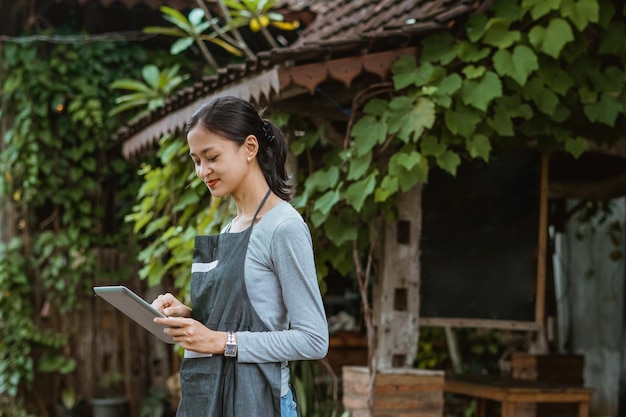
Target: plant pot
{"x": 109, "y": 407}
{"x": 76, "y": 411}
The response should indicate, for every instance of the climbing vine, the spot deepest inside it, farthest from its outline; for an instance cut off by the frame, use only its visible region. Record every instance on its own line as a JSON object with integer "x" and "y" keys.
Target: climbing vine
{"x": 548, "y": 74}
{"x": 58, "y": 167}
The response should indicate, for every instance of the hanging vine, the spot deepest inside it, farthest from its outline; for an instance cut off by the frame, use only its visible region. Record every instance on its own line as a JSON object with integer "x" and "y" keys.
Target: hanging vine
{"x": 58, "y": 168}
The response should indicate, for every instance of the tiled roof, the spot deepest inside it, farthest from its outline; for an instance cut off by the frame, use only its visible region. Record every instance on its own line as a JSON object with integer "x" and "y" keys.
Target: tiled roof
{"x": 344, "y": 20}
{"x": 342, "y": 29}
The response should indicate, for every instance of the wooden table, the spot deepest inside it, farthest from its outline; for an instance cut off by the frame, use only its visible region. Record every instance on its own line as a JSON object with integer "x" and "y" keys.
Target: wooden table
{"x": 511, "y": 392}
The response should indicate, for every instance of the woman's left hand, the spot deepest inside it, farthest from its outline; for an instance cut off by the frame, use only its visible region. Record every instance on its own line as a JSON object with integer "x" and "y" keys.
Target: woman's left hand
{"x": 193, "y": 335}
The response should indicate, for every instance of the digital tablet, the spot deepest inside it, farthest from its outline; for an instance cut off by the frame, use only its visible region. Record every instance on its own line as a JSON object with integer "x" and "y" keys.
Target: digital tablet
{"x": 134, "y": 307}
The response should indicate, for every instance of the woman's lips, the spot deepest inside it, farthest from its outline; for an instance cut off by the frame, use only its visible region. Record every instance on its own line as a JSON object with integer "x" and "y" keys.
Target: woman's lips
{"x": 211, "y": 183}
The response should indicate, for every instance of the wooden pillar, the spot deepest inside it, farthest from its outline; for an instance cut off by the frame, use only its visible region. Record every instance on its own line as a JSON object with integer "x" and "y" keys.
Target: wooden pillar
{"x": 396, "y": 291}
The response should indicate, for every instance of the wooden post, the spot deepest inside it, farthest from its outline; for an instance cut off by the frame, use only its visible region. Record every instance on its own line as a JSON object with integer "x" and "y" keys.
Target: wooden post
{"x": 396, "y": 291}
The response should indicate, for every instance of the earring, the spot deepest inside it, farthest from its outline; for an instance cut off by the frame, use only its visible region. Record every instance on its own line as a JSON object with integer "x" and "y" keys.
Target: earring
{"x": 249, "y": 158}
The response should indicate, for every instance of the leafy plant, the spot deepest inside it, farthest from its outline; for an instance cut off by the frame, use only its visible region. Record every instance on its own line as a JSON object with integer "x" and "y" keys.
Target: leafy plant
{"x": 56, "y": 158}
{"x": 257, "y": 15}
{"x": 111, "y": 384}
{"x": 151, "y": 93}
{"x": 191, "y": 30}
{"x": 501, "y": 82}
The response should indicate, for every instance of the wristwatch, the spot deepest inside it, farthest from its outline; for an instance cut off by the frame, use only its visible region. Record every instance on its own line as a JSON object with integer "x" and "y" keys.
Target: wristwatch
{"x": 230, "y": 350}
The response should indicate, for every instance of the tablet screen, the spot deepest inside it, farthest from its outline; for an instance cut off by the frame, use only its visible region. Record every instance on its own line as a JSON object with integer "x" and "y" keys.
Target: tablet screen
{"x": 134, "y": 307}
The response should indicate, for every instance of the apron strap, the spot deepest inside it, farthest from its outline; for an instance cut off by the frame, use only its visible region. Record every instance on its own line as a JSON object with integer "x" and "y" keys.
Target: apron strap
{"x": 267, "y": 194}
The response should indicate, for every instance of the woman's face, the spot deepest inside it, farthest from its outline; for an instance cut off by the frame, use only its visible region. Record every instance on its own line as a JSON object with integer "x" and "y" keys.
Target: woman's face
{"x": 220, "y": 163}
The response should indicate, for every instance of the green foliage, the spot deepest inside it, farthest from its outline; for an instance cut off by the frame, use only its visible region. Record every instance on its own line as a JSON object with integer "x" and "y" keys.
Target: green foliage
{"x": 149, "y": 94}
{"x": 190, "y": 30}
{"x": 56, "y": 159}
{"x": 525, "y": 72}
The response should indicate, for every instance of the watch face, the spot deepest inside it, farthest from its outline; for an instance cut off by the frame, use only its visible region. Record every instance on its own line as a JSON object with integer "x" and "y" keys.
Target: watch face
{"x": 230, "y": 349}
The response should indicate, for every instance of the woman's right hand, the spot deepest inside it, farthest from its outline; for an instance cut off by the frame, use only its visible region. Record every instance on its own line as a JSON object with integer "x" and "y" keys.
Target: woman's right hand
{"x": 170, "y": 306}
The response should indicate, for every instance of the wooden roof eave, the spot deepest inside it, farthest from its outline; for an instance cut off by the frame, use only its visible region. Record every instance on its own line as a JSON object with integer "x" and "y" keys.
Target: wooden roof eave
{"x": 272, "y": 83}
{"x": 251, "y": 88}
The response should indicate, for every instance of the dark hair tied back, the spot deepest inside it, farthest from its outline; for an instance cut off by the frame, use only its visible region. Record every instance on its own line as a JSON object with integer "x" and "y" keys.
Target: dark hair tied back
{"x": 269, "y": 135}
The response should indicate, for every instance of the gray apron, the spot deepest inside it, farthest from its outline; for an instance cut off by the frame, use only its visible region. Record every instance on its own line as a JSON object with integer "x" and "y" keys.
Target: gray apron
{"x": 217, "y": 386}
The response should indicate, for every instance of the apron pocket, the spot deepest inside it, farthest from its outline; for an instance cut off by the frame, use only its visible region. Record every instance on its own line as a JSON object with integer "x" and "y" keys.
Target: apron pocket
{"x": 198, "y": 376}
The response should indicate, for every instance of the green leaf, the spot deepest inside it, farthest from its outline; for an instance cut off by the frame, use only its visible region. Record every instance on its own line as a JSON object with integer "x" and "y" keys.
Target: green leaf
{"x": 612, "y": 39}
{"x": 507, "y": 9}
{"x": 480, "y": 93}
{"x": 431, "y": 146}
{"x": 471, "y": 72}
{"x": 449, "y": 85}
{"x": 449, "y": 161}
{"x": 501, "y": 121}
{"x": 423, "y": 74}
{"x": 540, "y": 8}
{"x": 475, "y": 27}
{"x": 168, "y": 31}
{"x": 581, "y": 12}
{"x": 322, "y": 179}
{"x": 470, "y": 52}
{"x": 359, "y": 191}
{"x": 544, "y": 98}
{"x": 610, "y": 81}
{"x": 181, "y": 45}
{"x": 375, "y": 107}
{"x": 605, "y": 110}
{"x": 196, "y": 16}
{"x": 438, "y": 47}
{"x": 479, "y": 147}
{"x": 151, "y": 74}
{"x": 407, "y": 160}
{"x": 498, "y": 34}
{"x": 403, "y": 70}
{"x": 327, "y": 201}
{"x": 359, "y": 165}
{"x": 387, "y": 188}
{"x": 518, "y": 65}
{"x": 175, "y": 17}
{"x": 554, "y": 76}
{"x": 367, "y": 133}
{"x": 462, "y": 121}
{"x": 339, "y": 230}
{"x": 409, "y": 124}
{"x": 576, "y": 146}
{"x": 552, "y": 39}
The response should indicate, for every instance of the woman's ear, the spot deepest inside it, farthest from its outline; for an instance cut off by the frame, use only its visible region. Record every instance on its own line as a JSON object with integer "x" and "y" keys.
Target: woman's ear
{"x": 251, "y": 144}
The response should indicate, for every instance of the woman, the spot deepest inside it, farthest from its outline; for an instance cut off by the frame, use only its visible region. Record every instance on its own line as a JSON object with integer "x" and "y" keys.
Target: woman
{"x": 256, "y": 301}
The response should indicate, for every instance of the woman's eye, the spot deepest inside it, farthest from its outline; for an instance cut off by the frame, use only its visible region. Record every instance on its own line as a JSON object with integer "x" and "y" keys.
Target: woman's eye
{"x": 212, "y": 159}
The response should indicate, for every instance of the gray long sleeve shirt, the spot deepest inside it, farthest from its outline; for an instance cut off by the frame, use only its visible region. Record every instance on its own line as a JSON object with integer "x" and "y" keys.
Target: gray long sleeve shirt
{"x": 282, "y": 286}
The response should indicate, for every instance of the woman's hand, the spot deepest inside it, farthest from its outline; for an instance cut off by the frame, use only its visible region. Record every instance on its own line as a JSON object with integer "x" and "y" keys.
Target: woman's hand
{"x": 170, "y": 306}
{"x": 193, "y": 335}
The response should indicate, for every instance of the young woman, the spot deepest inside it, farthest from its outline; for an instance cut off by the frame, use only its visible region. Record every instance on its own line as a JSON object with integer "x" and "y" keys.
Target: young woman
{"x": 255, "y": 299}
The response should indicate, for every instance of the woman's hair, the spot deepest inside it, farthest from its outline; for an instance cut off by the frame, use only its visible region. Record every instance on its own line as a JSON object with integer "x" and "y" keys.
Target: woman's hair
{"x": 235, "y": 119}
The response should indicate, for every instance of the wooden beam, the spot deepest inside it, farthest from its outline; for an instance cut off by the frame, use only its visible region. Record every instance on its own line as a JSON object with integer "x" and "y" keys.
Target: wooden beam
{"x": 540, "y": 298}
{"x": 396, "y": 293}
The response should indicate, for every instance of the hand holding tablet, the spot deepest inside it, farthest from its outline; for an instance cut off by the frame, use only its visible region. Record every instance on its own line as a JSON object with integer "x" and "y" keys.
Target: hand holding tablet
{"x": 134, "y": 307}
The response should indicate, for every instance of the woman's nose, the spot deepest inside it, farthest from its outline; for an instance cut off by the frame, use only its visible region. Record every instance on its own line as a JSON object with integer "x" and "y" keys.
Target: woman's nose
{"x": 204, "y": 170}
